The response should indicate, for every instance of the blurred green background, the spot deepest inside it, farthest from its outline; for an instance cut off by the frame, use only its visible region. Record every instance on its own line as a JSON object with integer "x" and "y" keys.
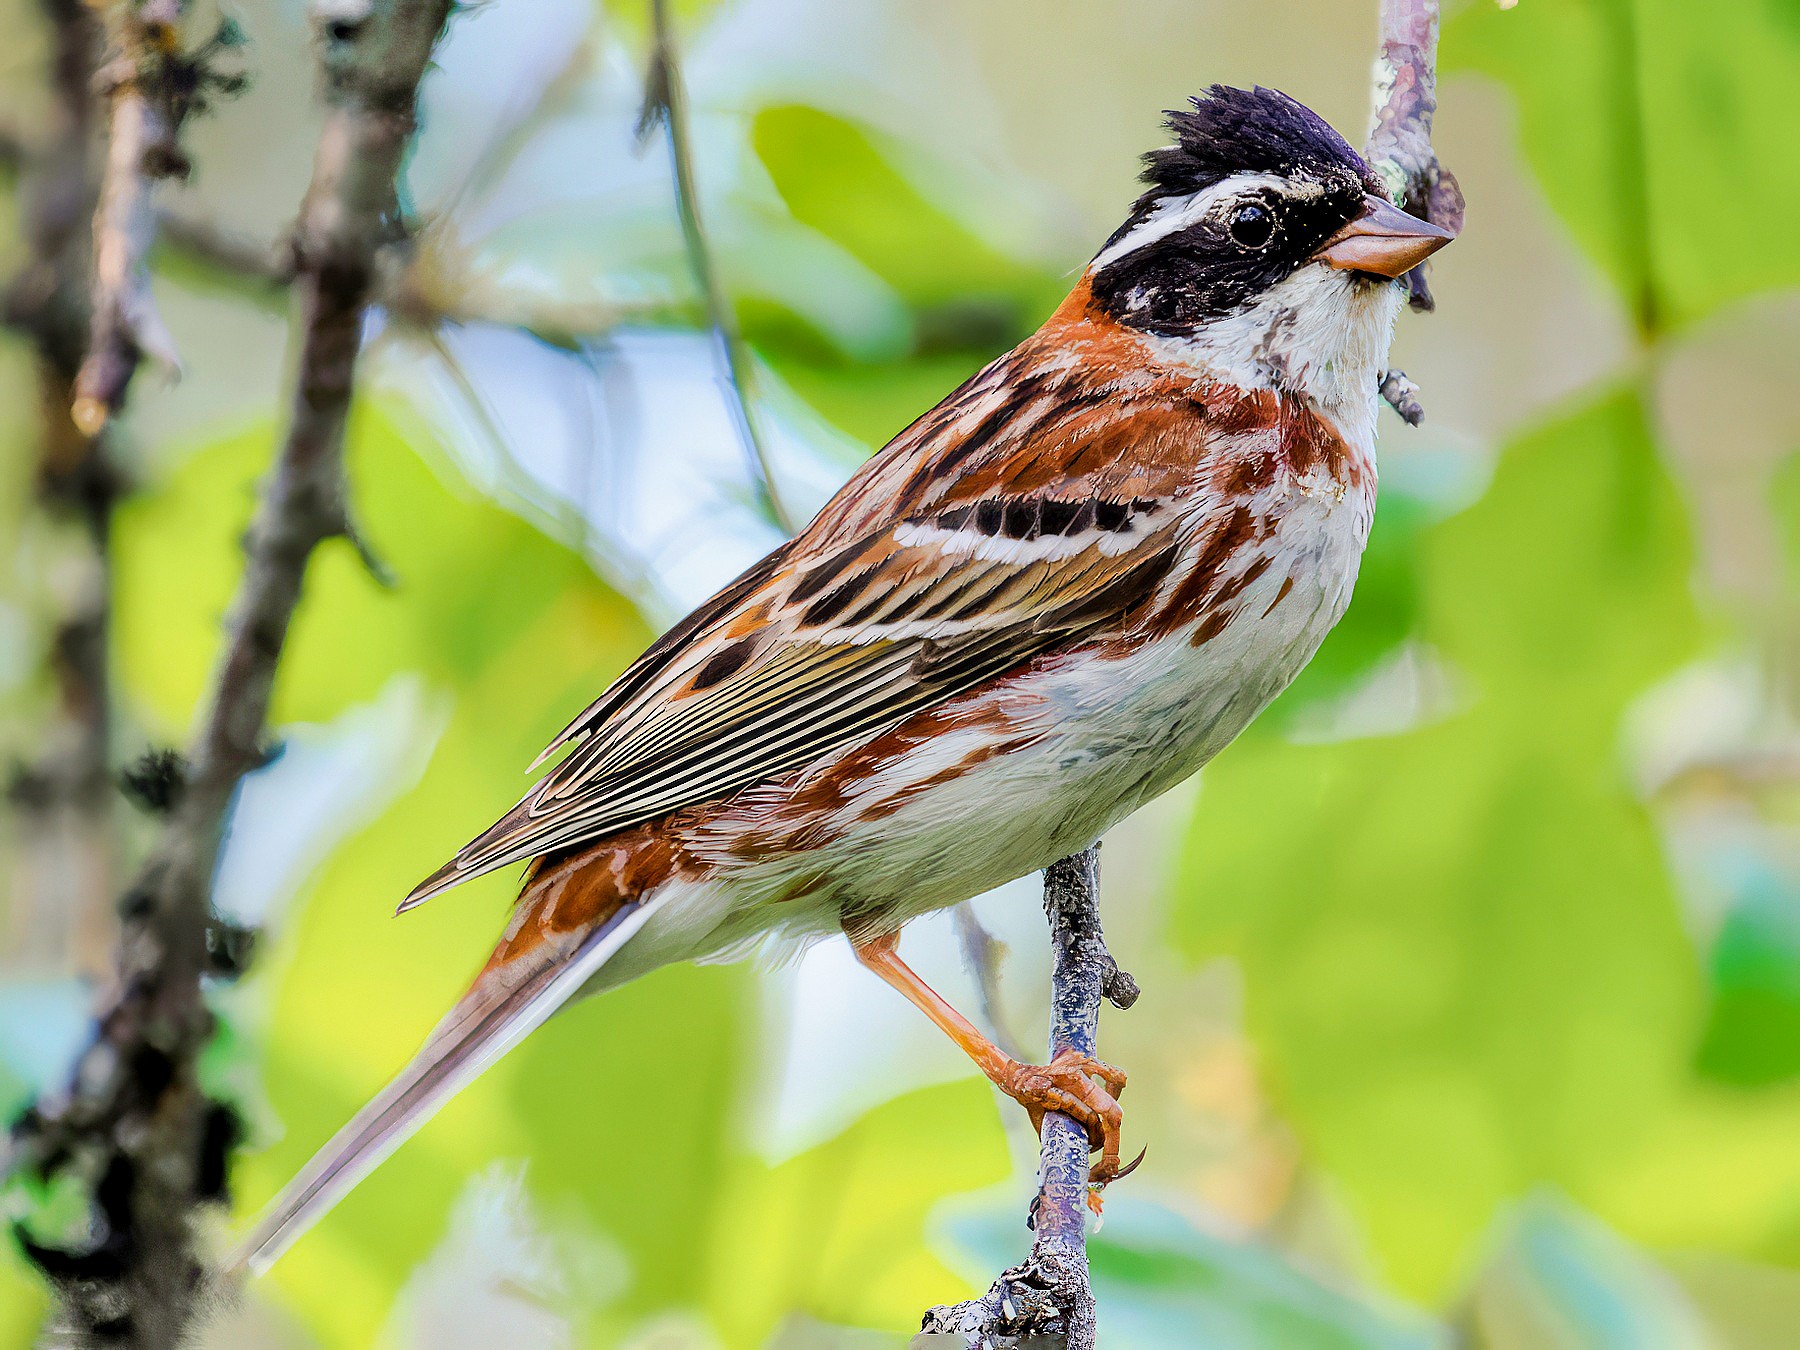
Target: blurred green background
{"x": 1472, "y": 972}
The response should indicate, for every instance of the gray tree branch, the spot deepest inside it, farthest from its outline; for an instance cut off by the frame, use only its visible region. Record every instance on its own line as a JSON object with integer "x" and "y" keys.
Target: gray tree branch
{"x": 1048, "y": 1294}
{"x": 133, "y": 1122}
{"x": 148, "y": 88}
{"x": 1399, "y": 149}
{"x": 1399, "y": 146}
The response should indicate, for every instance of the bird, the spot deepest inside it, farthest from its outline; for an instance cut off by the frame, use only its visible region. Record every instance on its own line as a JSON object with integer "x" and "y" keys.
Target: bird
{"x": 1053, "y": 596}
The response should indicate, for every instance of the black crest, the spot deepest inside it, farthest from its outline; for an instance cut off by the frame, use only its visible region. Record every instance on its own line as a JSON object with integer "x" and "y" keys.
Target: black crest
{"x": 1173, "y": 282}
{"x": 1244, "y": 131}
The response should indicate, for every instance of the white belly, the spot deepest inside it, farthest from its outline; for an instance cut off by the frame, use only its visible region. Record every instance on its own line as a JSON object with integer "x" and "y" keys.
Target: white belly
{"x": 1107, "y": 736}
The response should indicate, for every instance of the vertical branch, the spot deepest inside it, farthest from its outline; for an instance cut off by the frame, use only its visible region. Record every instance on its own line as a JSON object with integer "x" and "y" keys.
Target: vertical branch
{"x": 147, "y": 85}
{"x": 133, "y": 1124}
{"x": 984, "y": 954}
{"x": 1048, "y": 1293}
{"x": 1399, "y": 149}
{"x": 65, "y": 875}
{"x": 665, "y": 101}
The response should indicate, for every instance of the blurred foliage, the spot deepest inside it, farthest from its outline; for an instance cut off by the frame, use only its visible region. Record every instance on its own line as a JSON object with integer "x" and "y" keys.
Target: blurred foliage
{"x": 1509, "y": 1064}
{"x": 964, "y": 300}
{"x": 1752, "y": 1034}
{"x": 1656, "y": 128}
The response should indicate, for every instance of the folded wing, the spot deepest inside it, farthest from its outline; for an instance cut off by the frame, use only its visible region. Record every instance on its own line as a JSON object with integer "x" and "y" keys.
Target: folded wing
{"x": 1011, "y": 520}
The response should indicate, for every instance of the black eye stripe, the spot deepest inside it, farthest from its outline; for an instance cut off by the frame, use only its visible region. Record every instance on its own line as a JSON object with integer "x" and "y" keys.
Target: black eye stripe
{"x": 1174, "y": 283}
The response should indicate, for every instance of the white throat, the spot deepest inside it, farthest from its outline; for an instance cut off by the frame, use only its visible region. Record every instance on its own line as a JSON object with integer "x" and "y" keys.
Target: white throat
{"x": 1321, "y": 333}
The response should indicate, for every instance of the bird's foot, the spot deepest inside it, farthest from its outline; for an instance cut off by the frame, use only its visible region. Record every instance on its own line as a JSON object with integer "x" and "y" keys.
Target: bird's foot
{"x": 1081, "y": 1087}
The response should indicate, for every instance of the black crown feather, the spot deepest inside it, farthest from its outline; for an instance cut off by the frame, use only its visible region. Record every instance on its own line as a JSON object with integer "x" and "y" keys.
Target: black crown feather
{"x": 1194, "y": 270}
{"x": 1253, "y": 130}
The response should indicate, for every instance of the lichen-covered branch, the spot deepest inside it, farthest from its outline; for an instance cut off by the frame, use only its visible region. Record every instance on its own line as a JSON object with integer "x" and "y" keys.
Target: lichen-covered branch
{"x": 1047, "y": 1294}
{"x": 134, "y": 1124}
{"x": 665, "y": 102}
{"x": 1402, "y": 395}
{"x": 1399, "y": 149}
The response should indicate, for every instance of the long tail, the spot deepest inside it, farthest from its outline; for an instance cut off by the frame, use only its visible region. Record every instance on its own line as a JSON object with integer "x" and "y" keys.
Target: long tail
{"x": 509, "y": 1000}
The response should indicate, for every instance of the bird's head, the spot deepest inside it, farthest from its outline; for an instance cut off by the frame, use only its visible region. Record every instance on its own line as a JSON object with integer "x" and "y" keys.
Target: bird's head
{"x": 1261, "y": 232}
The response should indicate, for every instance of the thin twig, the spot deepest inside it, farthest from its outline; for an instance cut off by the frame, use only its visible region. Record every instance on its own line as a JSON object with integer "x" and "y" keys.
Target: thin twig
{"x": 142, "y": 149}
{"x": 199, "y": 240}
{"x": 133, "y": 1121}
{"x": 151, "y": 86}
{"x": 65, "y": 872}
{"x": 984, "y": 954}
{"x": 1048, "y": 1294}
{"x": 410, "y": 284}
{"x": 1399, "y": 147}
{"x": 665, "y": 101}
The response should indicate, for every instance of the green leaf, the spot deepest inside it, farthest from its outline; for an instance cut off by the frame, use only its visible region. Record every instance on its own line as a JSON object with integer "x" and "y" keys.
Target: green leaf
{"x": 836, "y": 178}
{"x": 23, "y": 1300}
{"x": 1753, "y": 1031}
{"x": 473, "y": 580}
{"x": 1662, "y": 133}
{"x": 967, "y": 300}
{"x": 838, "y": 1232}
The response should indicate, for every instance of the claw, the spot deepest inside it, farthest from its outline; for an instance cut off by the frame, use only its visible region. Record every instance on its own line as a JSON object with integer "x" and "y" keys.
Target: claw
{"x": 1098, "y": 1181}
{"x": 1131, "y": 1166}
{"x": 1067, "y": 1085}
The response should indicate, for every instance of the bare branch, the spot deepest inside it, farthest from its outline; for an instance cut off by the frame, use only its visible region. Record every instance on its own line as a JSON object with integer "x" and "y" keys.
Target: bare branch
{"x": 65, "y": 872}
{"x": 1399, "y": 147}
{"x": 984, "y": 954}
{"x": 133, "y": 1121}
{"x": 665, "y": 102}
{"x": 211, "y": 245}
{"x": 1047, "y": 1294}
{"x": 151, "y": 86}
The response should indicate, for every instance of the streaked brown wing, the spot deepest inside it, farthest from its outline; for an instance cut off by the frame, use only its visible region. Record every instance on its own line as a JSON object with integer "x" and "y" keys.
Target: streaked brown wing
{"x": 870, "y": 616}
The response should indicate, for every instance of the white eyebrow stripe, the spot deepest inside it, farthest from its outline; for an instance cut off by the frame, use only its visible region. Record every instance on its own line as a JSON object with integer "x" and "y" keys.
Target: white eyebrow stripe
{"x": 1173, "y": 214}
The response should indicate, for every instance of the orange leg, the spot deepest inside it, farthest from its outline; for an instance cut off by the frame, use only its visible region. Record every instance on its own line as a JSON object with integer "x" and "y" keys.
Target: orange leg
{"x": 1065, "y": 1084}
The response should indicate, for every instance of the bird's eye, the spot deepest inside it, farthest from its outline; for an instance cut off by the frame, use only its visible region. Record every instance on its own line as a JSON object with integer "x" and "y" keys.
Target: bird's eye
{"x": 1252, "y": 225}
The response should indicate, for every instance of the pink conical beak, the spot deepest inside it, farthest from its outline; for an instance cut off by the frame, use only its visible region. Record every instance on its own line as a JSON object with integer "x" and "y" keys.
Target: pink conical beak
{"x": 1383, "y": 240}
